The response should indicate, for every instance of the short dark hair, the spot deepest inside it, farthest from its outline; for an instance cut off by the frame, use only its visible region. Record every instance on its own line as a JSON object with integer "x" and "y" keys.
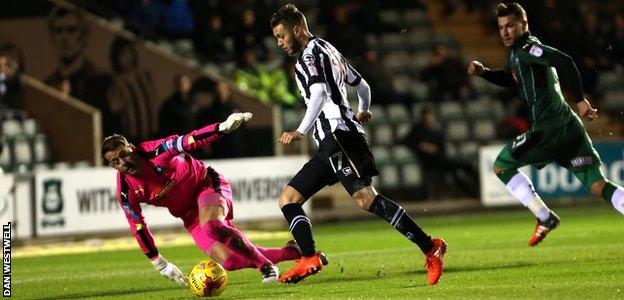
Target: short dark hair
{"x": 113, "y": 142}
{"x": 511, "y": 8}
{"x": 288, "y": 15}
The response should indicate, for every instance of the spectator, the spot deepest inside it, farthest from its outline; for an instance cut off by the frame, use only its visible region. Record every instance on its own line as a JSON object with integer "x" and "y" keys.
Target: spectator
{"x": 427, "y": 140}
{"x": 233, "y": 144}
{"x": 64, "y": 86}
{"x": 69, "y": 37}
{"x": 11, "y": 87}
{"x": 592, "y": 49}
{"x": 446, "y": 76}
{"x": 209, "y": 40}
{"x": 248, "y": 36}
{"x": 145, "y": 17}
{"x": 378, "y": 78}
{"x": 616, "y": 40}
{"x": 266, "y": 85}
{"x": 346, "y": 37}
{"x": 11, "y": 90}
{"x": 132, "y": 96}
{"x": 178, "y": 112}
{"x": 177, "y": 19}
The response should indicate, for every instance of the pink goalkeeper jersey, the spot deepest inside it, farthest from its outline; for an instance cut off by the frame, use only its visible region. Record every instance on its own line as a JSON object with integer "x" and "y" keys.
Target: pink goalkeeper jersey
{"x": 169, "y": 178}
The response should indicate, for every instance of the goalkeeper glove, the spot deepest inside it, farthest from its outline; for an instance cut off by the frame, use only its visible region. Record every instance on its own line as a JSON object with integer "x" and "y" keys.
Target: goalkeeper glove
{"x": 169, "y": 270}
{"x": 234, "y": 121}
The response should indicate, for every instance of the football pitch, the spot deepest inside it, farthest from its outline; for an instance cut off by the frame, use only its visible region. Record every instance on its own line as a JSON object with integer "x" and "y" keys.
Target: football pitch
{"x": 487, "y": 257}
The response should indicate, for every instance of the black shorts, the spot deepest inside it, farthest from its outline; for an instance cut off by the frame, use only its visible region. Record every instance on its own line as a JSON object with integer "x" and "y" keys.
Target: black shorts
{"x": 342, "y": 156}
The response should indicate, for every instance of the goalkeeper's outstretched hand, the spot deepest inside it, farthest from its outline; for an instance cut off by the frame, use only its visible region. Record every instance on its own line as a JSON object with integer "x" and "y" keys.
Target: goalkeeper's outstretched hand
{"x": 169, "y": 270}
{"x": 234, "y": 121}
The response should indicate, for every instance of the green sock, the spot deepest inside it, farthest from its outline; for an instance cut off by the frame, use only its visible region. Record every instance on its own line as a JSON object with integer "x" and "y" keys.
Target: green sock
{"x": 608, "y": 190}
{"x": 506, "y": 175}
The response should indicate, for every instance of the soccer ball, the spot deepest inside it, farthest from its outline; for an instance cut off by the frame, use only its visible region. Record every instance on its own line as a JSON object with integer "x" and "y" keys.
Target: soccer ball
{"x": 207, "y": 279}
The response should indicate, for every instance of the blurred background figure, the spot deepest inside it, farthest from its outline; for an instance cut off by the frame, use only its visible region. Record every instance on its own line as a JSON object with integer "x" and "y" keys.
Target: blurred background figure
{"x": 132, "y": 96}
{"x": 178, "y": 112}
{"x": 209, "y": 40}
{"x": 69, "y": 36}
{"x": 233, "y": 144}
{"x": 446, "y": 76}
{"x": 11, "y": 90}
{"x": 248, "y": 37}
{"x": 428, "y": 141}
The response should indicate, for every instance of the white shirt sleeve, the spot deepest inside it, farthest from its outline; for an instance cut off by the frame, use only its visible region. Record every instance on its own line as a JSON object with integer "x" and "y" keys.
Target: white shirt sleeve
{"x": 318, "y": 96}
{"x": 364, "y": 95}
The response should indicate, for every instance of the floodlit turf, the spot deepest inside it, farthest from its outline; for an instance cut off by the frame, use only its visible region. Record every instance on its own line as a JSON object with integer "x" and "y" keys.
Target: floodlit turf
{"x": 487, "y": 257}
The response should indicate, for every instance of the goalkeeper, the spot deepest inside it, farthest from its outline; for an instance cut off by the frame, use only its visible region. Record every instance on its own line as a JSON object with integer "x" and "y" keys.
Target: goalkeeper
{"x": 161, "y": 173}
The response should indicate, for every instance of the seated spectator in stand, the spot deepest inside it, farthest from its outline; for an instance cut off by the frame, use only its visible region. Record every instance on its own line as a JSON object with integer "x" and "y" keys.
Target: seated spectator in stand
{"x": 69, "y": 36}
{"x": 145, "y": 17}
{"x": 232, "y": 145}
{"x": 177, "y": 114}
{"x": 209, "y": 40}
{"x": 616, "y": 40}
{"x": 11, "y": 90}
{"x": 177, "y": 19}
{"x": 268, "y": 86}
{"x": 427, "y": 140}
{"x": 593, "y": 56}
{"x": 248, "y": 35}
{"x": 132, "y": 97}
{"x": 446, "y": 76}
{"x": 344, "y": 34}
{"x": 378, "y": 78}
{"x": 63, "y": 86}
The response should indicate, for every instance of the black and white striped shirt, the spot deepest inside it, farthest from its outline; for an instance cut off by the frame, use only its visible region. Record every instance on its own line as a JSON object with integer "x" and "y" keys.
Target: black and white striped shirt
{"x": 320, "y": 62}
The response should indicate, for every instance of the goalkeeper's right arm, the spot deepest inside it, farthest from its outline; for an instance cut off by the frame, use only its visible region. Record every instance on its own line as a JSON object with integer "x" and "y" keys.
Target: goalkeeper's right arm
{"x": 143, "y": 236}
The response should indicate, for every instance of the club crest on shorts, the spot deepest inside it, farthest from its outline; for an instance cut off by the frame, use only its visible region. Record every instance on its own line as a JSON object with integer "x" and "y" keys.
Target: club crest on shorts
{"x": 347, "y": 171}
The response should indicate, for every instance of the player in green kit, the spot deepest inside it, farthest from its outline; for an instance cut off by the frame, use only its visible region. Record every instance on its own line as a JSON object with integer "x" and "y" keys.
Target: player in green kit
{"x": 557, "y": 134}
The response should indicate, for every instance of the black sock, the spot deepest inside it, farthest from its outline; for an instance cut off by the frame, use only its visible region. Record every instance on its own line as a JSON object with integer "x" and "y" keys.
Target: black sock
{"x": 300, "y": 227}
{"x": 401, "y": 221}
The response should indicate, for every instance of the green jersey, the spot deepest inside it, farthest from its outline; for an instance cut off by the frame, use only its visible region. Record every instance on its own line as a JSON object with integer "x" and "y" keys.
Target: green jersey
{"x": 532, "y": 66}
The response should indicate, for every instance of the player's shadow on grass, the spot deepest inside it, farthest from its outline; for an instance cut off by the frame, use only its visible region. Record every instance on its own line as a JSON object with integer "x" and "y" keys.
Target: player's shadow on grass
{"x": 451, "y": 269}
{"x": 116, "y": 292}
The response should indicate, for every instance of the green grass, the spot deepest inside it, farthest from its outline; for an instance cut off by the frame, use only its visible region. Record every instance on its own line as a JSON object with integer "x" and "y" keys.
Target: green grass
{"x": 487, "y": 257}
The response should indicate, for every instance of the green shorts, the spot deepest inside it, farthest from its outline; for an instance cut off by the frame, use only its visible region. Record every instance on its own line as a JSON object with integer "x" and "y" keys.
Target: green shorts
{"x": 569, "y": 146}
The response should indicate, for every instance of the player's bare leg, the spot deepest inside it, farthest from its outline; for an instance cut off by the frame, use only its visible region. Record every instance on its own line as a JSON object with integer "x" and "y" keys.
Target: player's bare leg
{"x": 434, "y": 249}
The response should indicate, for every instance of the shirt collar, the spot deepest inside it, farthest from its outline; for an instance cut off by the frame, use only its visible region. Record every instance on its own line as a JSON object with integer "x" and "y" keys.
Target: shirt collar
{"x": 521, "y": 40}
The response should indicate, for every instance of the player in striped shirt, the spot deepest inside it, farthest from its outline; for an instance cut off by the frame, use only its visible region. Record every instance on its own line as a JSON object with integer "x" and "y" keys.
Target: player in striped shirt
{"x": 161, "y": 173}
{"x": 322, "y": 74}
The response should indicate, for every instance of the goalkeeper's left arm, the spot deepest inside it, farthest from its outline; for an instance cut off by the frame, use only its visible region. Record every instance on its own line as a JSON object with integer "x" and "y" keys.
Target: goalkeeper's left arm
{"x": 174, "y": 145}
